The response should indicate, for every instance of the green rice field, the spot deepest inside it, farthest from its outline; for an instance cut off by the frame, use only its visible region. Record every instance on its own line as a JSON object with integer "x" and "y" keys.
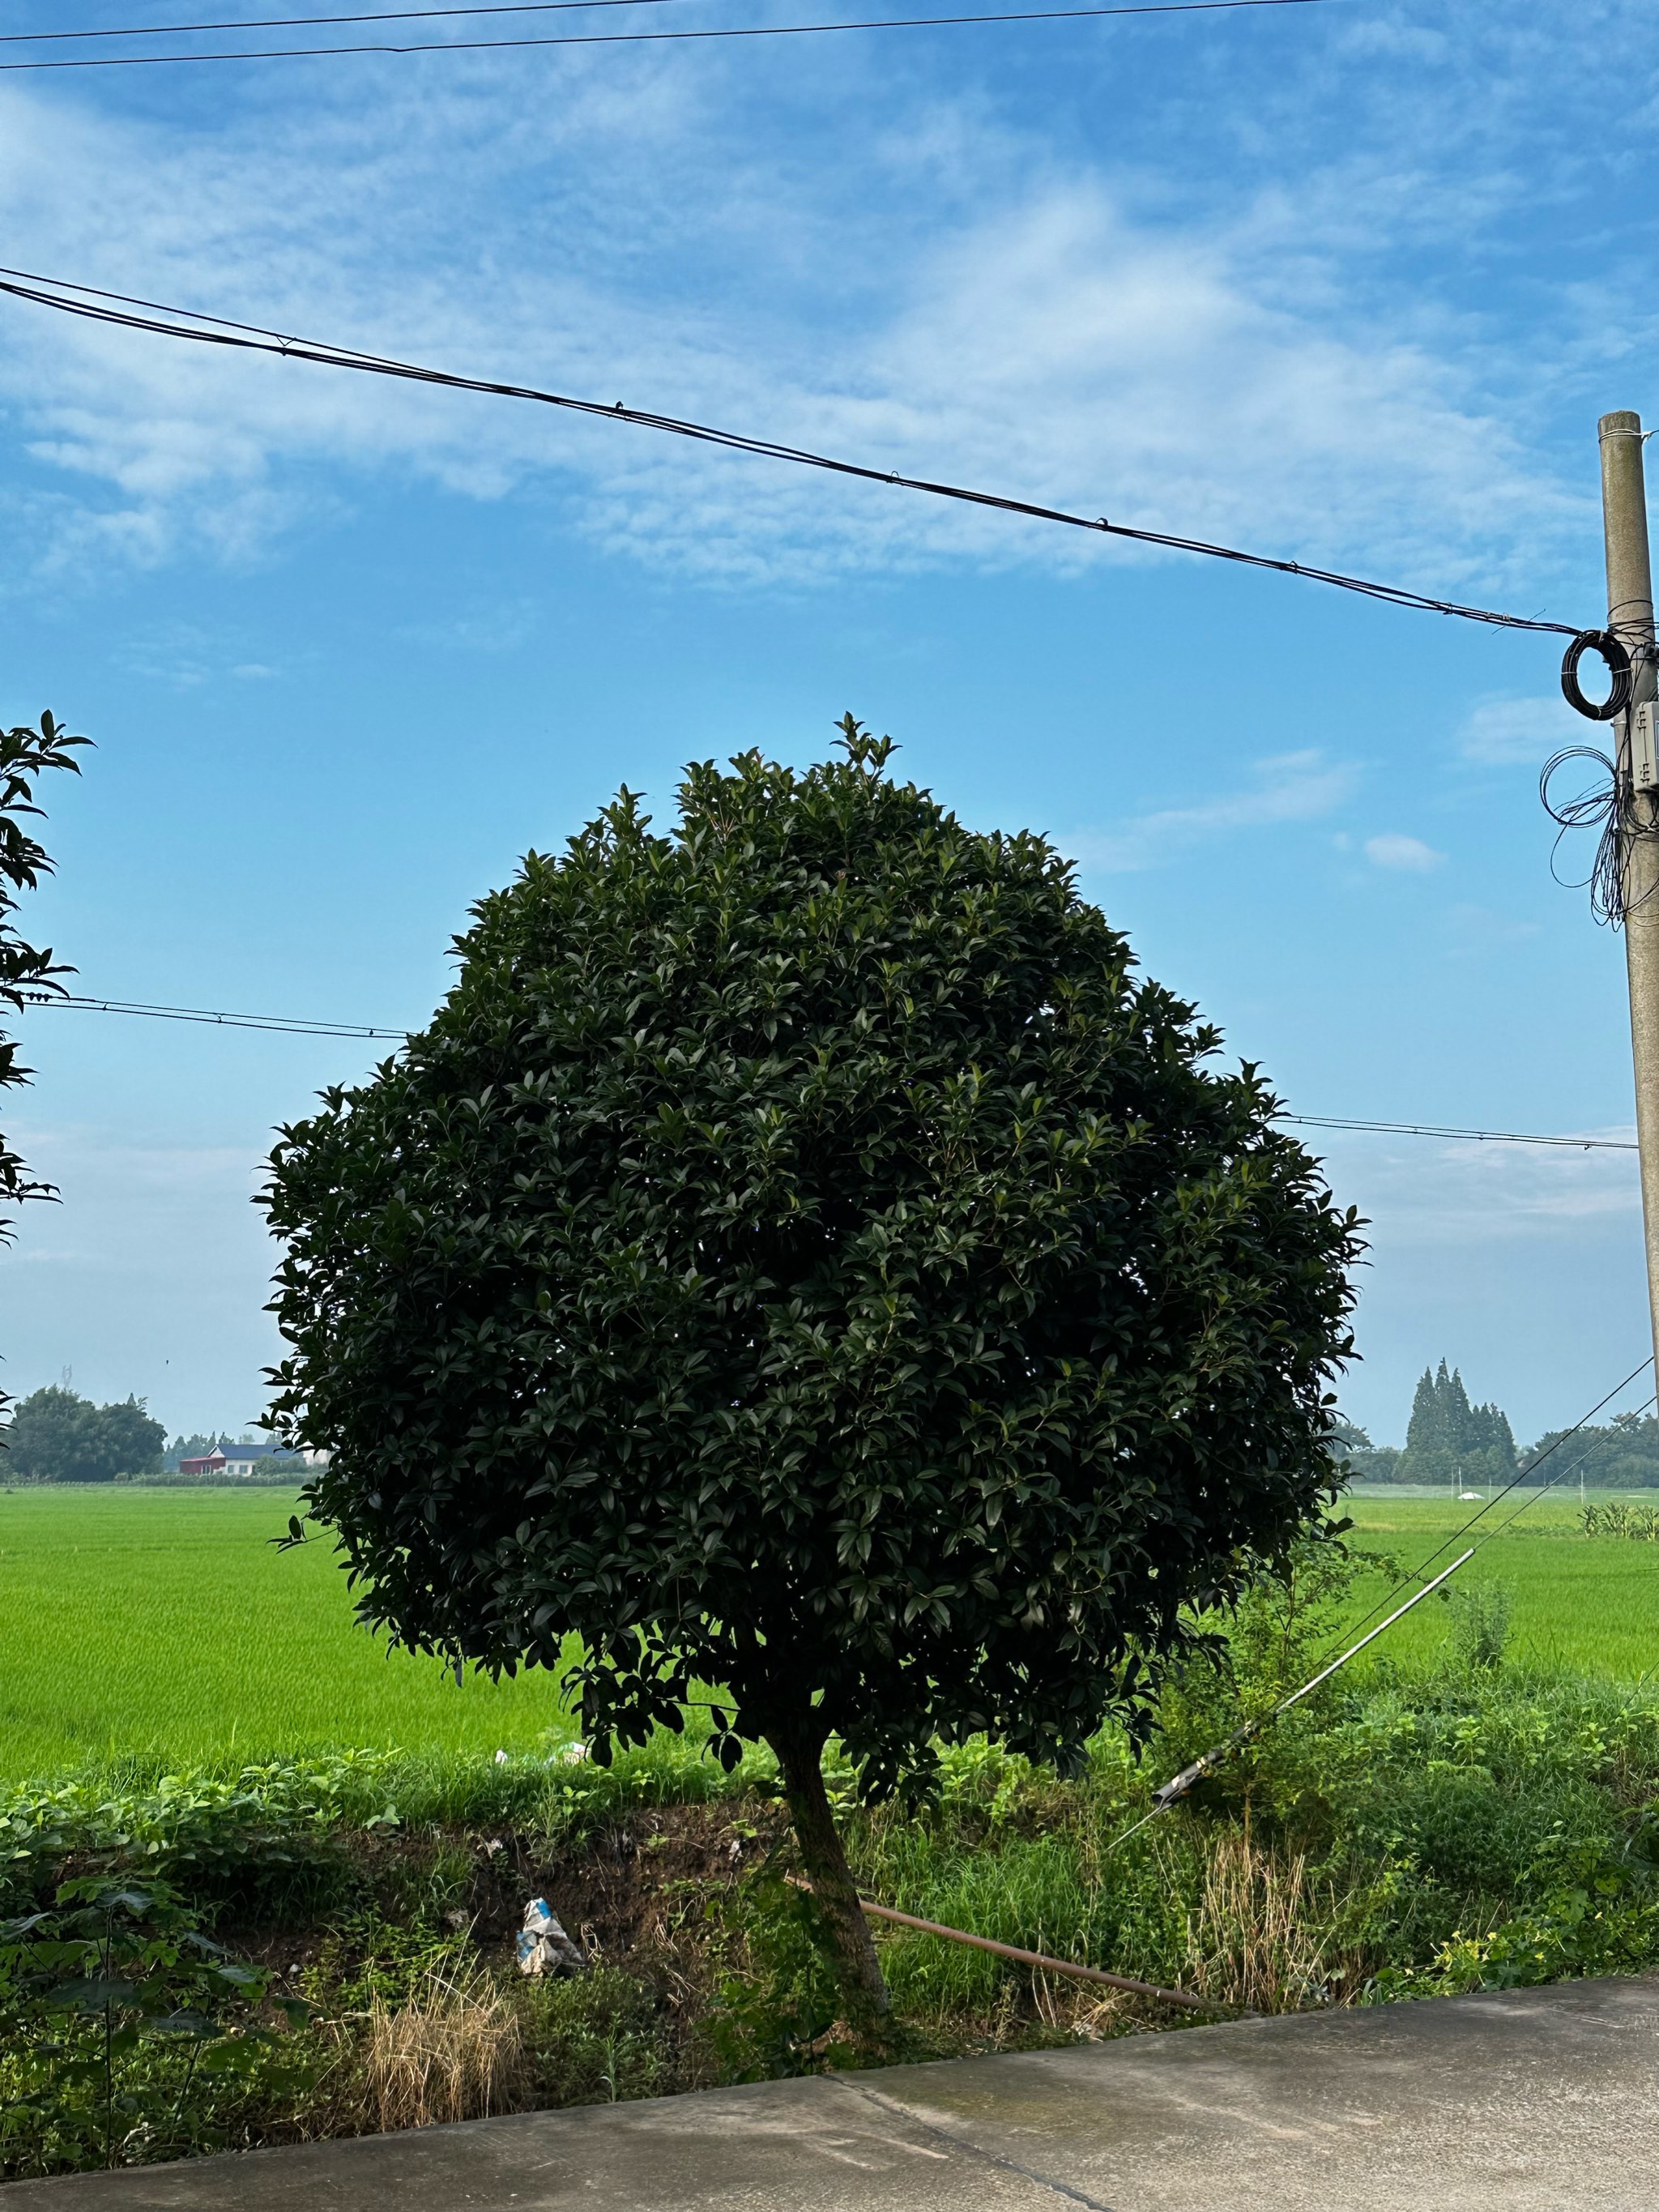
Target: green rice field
{"x": 1584, "y": 1606}
{"x": 144, "y": 1626}
{"x": 139, "y": 1625}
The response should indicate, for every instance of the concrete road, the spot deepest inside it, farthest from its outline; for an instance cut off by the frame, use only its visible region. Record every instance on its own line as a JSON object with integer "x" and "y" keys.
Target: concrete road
{"x": 1533, "y": 2100}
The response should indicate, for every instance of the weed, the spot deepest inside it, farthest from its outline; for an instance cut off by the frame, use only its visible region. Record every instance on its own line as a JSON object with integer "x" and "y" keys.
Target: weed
{"x": 454, "y": 2049}
{"x": 1264, "y": 1936}
{"x": 599, "y": 2039}
{"x": 1480, "y": 1627}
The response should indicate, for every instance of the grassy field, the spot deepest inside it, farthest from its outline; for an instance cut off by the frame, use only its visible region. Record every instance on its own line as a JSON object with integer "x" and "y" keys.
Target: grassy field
{"x": 160, "y": 1623}
{"x": 1588, "y": 1607}
{"x": 139, "y": 1625}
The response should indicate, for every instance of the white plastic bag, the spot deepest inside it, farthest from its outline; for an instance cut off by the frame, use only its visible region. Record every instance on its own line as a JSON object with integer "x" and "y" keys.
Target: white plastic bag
{"x": 542, "y": 1946}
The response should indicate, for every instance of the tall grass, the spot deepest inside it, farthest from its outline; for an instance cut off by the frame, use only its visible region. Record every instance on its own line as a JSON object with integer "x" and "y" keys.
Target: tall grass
{"x": 454, "y": 2050}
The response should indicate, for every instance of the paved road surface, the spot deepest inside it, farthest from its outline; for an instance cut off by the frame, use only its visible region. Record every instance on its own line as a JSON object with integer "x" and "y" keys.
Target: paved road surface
{"x": 1533, "y": 2100}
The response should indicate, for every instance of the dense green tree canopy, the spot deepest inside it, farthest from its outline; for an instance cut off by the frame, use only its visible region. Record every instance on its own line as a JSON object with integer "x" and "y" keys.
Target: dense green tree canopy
{"x": 804, "y": 1255}
{"x": 807, "y": 1235}
{"x": 1449, "y": 1440}
{"x": 56, "y": 1435}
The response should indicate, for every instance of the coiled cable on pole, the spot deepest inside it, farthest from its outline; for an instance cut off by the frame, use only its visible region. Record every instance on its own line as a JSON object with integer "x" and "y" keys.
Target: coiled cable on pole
{"x": 1608, "y": 804}
{"x": 1612, "y": 650}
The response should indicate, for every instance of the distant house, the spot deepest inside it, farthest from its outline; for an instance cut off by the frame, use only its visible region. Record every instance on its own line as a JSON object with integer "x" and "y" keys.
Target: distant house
{"x": 232, "y": 1461}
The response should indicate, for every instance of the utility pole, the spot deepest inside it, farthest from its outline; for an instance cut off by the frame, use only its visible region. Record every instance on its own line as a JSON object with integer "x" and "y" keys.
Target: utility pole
{"x": 1630, "y": 616}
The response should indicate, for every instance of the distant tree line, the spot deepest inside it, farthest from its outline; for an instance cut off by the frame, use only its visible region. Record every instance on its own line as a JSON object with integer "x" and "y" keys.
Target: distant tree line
{"x": 55, "y": 1435}
{"x": 1449, "y": 1440}
{"x": 1624, "y": 1456}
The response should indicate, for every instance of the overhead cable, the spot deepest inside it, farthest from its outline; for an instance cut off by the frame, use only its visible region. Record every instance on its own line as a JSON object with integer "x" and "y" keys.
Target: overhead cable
{"x": 123, "y": 312}
{"x": 1180, "y": 1785}
{"x": 649, "y": 37}
{"x": 217, "y": 1018}
{"x": 1469, "y": 1136}
{"x": 509, "y": 8}
{"x": 1563, "y": 1474}
{"x": 212, "y": 1017}
{"x": 301, "y": 22}
{"x": 1522, "y": 1475}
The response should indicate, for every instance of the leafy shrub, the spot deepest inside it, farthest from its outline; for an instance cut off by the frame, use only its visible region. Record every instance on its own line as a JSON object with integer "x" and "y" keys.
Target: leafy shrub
{"x": 269, "y": 1836}
{"x": 596, "y": 2039}
{"x": 1480, "y": 1627}
{"x": 118, "y": 2019}
{"x": 805, "y": 1254}
{"x": 778, "y": 2011}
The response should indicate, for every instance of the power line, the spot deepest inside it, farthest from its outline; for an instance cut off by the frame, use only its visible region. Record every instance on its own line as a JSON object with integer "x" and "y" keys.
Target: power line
{"x": 1182, "y": 1784}
{"x": 1523, "y": 1475}
{"x": 299, "y": 22}
{"x": 1571, "y": 1468}
{"x": 283, "y": 1024}
{"x": 644, "y": 38}
{"x": 212, "y": 1016}
{"x": 90, "y": 304}
{"x": 1469, "y": 1136}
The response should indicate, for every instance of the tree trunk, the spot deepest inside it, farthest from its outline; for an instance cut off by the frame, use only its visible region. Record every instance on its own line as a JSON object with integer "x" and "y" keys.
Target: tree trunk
{"x": 800, "y": 1763}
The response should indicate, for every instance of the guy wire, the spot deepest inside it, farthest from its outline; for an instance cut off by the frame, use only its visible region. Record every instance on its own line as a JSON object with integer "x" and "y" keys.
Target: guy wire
{"x": 1210, "y": 1759}
{"x": 1521, "y": 1476}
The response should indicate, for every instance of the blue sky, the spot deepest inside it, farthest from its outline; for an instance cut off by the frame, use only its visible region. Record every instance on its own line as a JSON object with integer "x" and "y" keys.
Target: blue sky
{"x": 1348, "y": 283}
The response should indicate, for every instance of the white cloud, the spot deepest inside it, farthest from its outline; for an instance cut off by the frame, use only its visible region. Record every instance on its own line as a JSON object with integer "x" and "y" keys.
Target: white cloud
{"x": 1298, "y": 787}
{"x": 1503, "y": 732}
{"x": 1409, "y": 854}
{"x": 1476, "y": 930}
{"x": 1044, "y": 339}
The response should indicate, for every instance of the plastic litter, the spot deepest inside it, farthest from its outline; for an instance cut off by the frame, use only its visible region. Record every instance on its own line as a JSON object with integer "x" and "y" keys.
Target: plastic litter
{"x": 542, "y": 1946}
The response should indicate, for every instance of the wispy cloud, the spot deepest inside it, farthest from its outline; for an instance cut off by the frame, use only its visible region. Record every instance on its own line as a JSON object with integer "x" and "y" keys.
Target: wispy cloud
{"x": 1417, "y": 1191}
{"x": 1509, "y": 731}
{"x": 1046, "y": 334}
{"x": 1477, "y": 930}
{"x": 1408, "y": 854}
{"x": 1300, "y": 786}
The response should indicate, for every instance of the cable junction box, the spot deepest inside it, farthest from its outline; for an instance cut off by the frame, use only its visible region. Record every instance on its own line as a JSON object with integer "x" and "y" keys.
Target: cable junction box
{"x": 1644, "y": 719}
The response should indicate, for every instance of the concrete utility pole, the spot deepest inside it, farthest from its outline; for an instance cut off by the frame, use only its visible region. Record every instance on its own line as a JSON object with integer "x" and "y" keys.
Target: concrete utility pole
{"x": 1630, "y": 616}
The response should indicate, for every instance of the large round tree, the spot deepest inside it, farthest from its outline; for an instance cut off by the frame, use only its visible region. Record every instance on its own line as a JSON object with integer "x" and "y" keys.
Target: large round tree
{"x": 804, "y": 1256}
